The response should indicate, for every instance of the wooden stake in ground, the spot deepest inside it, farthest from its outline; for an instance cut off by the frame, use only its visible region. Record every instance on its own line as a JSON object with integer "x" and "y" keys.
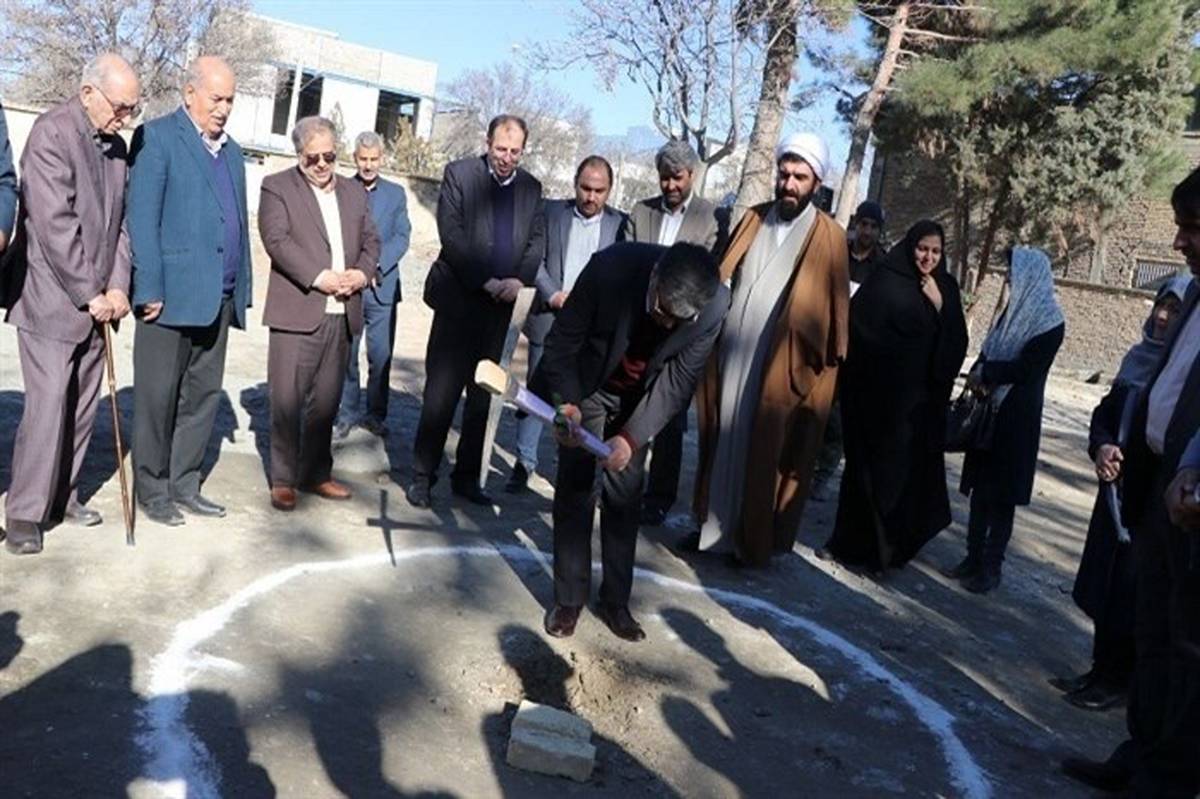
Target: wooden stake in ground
{"x": 520, "y": 310}
{"x": 126, "y": 505}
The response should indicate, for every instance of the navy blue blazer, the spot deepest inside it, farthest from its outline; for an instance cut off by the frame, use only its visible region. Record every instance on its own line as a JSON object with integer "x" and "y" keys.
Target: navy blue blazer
{"x": 8, "y": 181}
{"x": 389, "y": 211}
{"x": 175, "y": 224}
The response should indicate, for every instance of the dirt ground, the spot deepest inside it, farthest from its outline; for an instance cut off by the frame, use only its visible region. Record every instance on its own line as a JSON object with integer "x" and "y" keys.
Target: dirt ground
{"x": 368, "y": 649}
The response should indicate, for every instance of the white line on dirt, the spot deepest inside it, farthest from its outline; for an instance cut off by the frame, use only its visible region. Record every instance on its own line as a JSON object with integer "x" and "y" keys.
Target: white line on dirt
{"x": 182, "y": 768}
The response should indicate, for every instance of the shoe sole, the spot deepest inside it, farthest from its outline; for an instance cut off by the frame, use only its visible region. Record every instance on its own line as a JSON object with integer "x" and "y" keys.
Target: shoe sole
{"x": 202, "y": 513}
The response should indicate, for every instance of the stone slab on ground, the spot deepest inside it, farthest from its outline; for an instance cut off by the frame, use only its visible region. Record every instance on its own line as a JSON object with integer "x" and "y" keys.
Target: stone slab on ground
{"x": 550, "y": 741}
{"x": 361, "y": 452}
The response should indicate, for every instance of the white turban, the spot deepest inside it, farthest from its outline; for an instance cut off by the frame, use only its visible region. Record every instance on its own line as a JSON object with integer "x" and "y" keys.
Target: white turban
{"x": 808, "y": 146}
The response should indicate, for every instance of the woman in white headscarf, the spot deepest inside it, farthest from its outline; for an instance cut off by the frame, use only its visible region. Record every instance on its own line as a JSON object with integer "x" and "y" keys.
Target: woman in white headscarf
{"x": 1011, "y": 370}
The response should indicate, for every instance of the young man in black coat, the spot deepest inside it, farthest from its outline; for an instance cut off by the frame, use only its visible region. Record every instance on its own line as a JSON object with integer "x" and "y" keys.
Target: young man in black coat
{"x": 621, "y": 360}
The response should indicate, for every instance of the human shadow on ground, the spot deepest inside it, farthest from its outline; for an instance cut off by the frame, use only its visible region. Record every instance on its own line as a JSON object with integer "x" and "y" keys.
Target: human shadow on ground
{"x": 11, "y": 642}
{"x": 72, "y": 731}
{"x": 544, "y": 676}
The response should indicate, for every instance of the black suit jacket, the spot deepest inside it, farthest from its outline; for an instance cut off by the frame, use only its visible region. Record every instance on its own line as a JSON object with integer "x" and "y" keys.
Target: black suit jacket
{"x": 1140, "y": 470}
{"x": 464, "y": 218}
{"x": 591, "y": 333}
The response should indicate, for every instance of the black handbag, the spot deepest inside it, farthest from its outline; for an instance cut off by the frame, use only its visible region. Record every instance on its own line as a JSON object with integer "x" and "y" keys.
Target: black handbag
{"x": 970, "y": 423}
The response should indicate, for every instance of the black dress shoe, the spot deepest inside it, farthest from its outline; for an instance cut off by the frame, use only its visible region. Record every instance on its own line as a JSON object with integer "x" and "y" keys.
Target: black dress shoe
{"x": 1103, "y": 775}
{"x": 967, "y": 567}
{"x": 374, "y": 426}
{"x": 200, "y": 506}
{"x": 620, "y": 621}
{"x": 689, "y": 543}
{"x": 653, "y": 516}
{"x": 24, "y": 538}
{"x": 418, "y": 494}
{"x": 1070, "y": 684}
{"x": 471, "y": 493}
{"x": 77, "y": 513}
{"x": 982, "y": 581}
{"x": 518, "y": 481}
{"x": 163, "y": 512}
{"x": 1097, "y": 696}
{"x": 560, "y": 621}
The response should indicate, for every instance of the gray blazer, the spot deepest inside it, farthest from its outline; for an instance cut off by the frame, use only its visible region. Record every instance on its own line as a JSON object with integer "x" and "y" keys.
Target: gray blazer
{"x": 549, "y": 281}
{"x": 701, "y": 223}
{"x": 71, "y": 244}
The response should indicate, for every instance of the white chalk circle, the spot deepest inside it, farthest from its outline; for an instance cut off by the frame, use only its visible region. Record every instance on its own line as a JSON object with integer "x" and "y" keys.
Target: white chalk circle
{"x": 181, "y": 767}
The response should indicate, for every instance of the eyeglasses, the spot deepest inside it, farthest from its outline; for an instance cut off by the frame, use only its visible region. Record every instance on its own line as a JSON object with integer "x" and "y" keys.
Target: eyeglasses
{"x": 120, "y": 110}
{"x": 312, "y": 159}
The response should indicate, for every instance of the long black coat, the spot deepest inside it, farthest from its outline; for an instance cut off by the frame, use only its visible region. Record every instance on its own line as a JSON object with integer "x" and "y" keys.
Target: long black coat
{"x": 1105, "y": 582}
{"x": 903, "y": 358}
{"x": 1005, "y": 472}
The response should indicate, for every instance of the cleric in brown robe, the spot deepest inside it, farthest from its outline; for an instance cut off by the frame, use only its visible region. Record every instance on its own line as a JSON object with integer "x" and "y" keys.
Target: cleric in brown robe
{"x": 768, "y": 387}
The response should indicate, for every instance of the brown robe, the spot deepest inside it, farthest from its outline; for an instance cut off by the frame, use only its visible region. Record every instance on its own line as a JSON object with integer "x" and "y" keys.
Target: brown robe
{"x": 798, "y": 385}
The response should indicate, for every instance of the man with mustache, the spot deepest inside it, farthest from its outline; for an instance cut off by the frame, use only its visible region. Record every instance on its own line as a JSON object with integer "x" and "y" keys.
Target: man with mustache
{"x": 677, "y": 215}
{"x": 191, "y": 280}
{"x": 765, "y": 397}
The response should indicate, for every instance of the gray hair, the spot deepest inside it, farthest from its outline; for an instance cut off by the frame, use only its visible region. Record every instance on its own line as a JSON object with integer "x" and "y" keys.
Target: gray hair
{"x": 368, "y": 140}
{"x": 195, "y": 73}
{"x": 308, "y": 127}
{"x": 674, "y": 156}
{"x": 686, "y": 279}
{"x": 100, "y": 69}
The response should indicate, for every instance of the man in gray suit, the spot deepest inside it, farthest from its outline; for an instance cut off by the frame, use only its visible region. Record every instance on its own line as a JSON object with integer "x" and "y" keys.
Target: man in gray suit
{"x": 677, "y": 215}
{"x": 575, "y": 229}
{"x": 73, "y": 279}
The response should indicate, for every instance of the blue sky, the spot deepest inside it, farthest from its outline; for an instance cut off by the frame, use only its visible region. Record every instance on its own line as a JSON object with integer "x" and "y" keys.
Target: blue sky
{"x": 476, "y": 34}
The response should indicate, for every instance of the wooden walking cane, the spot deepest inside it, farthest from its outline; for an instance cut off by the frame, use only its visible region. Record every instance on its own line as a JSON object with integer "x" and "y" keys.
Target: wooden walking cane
{"x": 111, "y": 370}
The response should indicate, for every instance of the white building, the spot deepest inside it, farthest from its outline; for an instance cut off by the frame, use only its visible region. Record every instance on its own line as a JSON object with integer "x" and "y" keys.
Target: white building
{"x": 318, "y": 73}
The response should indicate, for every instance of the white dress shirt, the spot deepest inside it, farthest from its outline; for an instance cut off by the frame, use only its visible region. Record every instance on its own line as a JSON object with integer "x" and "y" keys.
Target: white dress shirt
{"x": 212, "y": 145}
{"x": 671, "y": 222}
{"x": 1164, "y": 394}
{"x": 327, "y": 202}
{"x": 582, "y": 242}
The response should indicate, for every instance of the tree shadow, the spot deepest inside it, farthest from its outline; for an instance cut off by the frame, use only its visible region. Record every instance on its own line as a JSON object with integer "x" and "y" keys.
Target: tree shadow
{"x": 544, "y": 676}
{"x": 73, "y": 730}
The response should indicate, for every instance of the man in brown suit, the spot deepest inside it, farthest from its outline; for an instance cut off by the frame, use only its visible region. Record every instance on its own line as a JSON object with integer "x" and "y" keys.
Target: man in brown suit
{"x": 324, "y": 251}
{"x": 74, "y": 277}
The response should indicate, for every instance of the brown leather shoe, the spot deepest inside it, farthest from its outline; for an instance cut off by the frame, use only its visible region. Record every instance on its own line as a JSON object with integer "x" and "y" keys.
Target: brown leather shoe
{"x": 283, "y": 498}
{"x": 330, "y": 489}
{"x": 560, "y": 621}
{"x": 620, "y": 621}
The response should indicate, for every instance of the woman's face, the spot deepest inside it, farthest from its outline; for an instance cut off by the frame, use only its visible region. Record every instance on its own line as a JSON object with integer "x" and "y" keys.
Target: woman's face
{"x": 1165, "y": 311}
{"x": 928, "y": 253}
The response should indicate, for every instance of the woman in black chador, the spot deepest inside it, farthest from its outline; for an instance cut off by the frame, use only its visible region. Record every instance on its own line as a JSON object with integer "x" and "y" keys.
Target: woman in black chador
{"x": 908, "y": 338}
{"x": 1105, "y": 581}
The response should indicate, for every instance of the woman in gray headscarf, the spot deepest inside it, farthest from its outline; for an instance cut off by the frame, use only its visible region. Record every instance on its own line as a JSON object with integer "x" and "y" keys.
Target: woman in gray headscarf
{"x": 1104, "y": 584}
{"x": 1011, "y": 371}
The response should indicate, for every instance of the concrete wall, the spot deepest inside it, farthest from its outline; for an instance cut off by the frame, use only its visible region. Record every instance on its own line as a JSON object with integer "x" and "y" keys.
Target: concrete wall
{"x": 357, "y": 102}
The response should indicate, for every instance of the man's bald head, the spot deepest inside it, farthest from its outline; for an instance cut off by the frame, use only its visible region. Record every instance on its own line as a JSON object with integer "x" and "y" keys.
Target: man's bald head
{"x": 208, "y": 91}
{"x": 110, "y": 92}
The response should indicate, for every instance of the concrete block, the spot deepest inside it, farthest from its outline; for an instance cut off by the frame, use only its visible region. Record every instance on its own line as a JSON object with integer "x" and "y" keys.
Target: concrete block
{"x": 550, "y": 741}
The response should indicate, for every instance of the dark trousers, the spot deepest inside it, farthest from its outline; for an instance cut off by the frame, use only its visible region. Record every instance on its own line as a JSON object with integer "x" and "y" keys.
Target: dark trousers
{"x": 177, "y": 375}
{"x": 304, "y": 375}
{"x": 988, "y": 530}
{"x": 575, "y": 507}
{"x": 456, "y": 345}
{"x": 379, "y": 329}
{"x": 62, "y": 390}
{"x": 666, "y": 449}
{"x": 1164, "y": 702}
{"x": 1113, "y": 651}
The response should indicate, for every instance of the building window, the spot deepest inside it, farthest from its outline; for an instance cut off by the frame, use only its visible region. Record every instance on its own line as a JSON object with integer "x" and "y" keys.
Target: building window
{"x": 1150, "y": 274}
{"x": 394, "y": 112}
{"x": 310, "y": 99}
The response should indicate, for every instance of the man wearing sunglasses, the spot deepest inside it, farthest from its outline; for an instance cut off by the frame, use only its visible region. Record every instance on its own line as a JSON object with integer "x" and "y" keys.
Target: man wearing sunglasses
{"x": 72, "y": 279}
{"x": 324, "y": 250}
{"x": 191, "y": 281}
{"x": 622, "y": 357}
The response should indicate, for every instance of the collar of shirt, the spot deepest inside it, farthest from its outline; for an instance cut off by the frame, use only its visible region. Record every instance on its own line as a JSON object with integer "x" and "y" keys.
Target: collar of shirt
{"x": 212, "y": 145}
{"x": 586, "y": 220}
{"x": 372, "y": 186}
{"x": 327, "y": 190}
{"x": 681, "y": 209}
{"x": 496, "y": 177}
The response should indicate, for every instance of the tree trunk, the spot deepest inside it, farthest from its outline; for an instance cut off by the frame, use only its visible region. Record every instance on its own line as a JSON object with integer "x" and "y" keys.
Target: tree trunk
{"x": 758, "y": 171}
{"x": 864, "y": 120}
{"x": 985, "y": 251}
